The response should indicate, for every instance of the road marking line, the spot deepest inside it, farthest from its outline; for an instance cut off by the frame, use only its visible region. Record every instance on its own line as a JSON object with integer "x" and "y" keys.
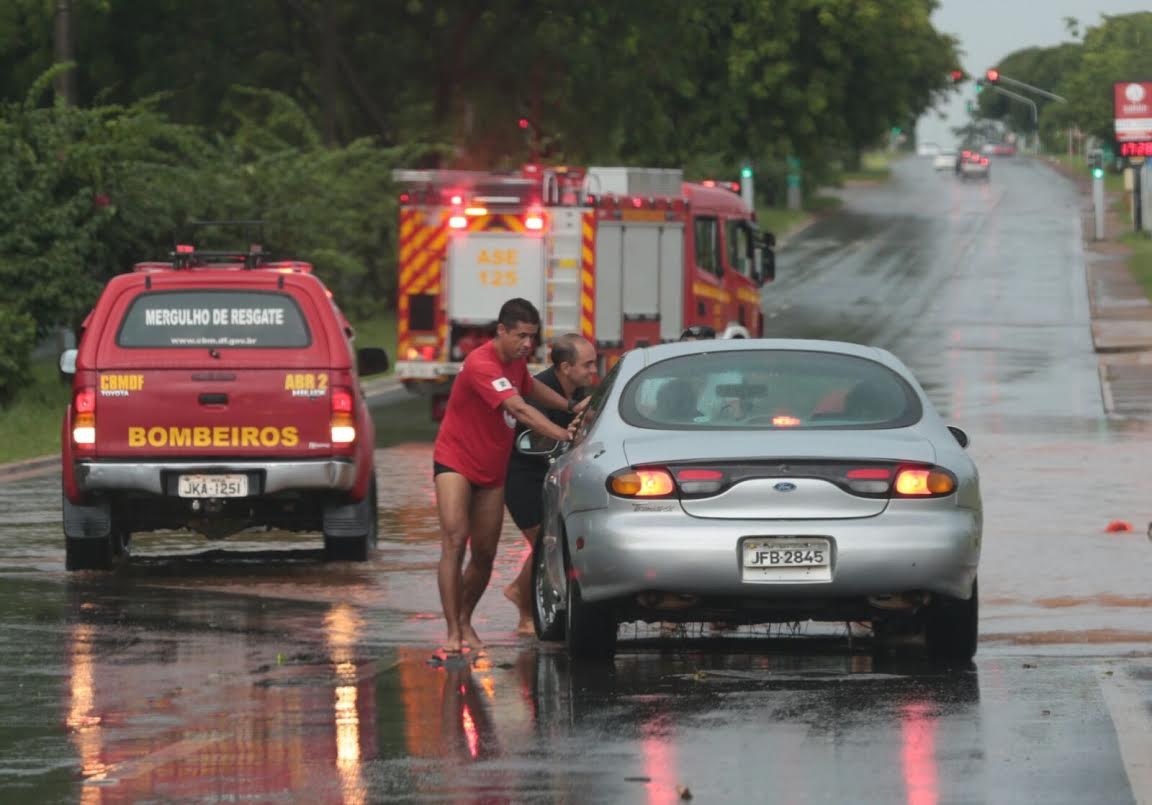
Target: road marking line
{"x": 1128, "y": 706}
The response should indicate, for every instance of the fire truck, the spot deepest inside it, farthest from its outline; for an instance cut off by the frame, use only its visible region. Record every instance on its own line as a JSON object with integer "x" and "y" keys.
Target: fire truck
{"x": 627, "y": 257}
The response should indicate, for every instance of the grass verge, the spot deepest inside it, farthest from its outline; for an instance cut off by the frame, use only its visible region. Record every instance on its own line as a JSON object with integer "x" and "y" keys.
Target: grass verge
{"x": 1140, "y": 262}
{"x": 874, "y": 167}
{"x": 378, "y": 330}
{"x": 30, "y": 424}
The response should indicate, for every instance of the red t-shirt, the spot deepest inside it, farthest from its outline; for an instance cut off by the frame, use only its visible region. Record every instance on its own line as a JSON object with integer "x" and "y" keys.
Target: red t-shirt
{"x": 476, "y": 436}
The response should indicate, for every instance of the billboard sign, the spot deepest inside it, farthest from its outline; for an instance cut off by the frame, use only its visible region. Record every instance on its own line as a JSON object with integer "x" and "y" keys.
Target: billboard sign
{"x": 1132, "y": 105}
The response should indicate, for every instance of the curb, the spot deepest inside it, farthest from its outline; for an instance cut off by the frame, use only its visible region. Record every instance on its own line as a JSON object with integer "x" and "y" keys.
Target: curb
{"x": 29, "y": 467}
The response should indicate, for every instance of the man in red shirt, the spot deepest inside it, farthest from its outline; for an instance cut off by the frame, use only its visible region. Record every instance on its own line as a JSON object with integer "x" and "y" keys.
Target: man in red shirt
{"x": 470, "y": 460}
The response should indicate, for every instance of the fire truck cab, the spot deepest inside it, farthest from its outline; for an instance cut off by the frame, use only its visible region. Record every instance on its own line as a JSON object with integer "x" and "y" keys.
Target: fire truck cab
{"x": 627, "y": 257}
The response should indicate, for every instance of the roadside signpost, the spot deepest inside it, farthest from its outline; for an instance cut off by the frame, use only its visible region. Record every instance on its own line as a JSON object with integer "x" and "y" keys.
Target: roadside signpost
{"x": 1132, "y": 120}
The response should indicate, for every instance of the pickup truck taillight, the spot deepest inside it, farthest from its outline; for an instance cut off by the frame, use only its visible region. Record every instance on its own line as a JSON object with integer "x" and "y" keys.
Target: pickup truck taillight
{"x": 84, "y": 417}
{"x": 343, "y": 424}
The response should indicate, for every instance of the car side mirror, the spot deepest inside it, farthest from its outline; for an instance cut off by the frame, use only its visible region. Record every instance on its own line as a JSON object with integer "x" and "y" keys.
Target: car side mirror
{"x": 961, "y": 436}
{"x": 68, "y": 362}
{"x": 530, "y": 443}
{"x": 767, "y": 264}
{"x": 371, "y": 361}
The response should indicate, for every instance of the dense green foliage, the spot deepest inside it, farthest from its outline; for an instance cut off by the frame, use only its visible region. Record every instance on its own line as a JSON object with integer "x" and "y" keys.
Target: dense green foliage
{"x": 296, "y": 112}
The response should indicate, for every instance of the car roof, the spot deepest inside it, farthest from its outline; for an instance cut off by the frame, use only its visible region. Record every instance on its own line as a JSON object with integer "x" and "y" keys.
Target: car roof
{"x": 660, "y": 352}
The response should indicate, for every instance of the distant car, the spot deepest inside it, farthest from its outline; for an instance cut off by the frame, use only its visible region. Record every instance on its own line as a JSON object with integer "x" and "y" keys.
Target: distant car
{"x": 217, "y": 392}
{"x": 976, "y": 166}
{"x": 944, "y": 161}
{"x": 758, "y": 481}
{"x": 1000, "y": 149}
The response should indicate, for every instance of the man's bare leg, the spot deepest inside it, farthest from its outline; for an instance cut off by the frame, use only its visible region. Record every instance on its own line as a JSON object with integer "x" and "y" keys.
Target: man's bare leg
{"x": 486, "y": 517}
{"x": 453, "y": 500}
{"x": 519, "y": 592}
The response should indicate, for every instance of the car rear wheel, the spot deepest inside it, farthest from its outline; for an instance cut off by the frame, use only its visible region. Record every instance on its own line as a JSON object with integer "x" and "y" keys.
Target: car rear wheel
{"x": 351, "y": 530}
{"x": 952, "y": 628}
{"x": 591, "y": 628}
{"x": 547, "y": 613}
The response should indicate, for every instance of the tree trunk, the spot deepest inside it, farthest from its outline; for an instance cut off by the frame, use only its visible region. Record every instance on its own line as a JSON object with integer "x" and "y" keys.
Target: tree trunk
{"x": 65, "y": 84}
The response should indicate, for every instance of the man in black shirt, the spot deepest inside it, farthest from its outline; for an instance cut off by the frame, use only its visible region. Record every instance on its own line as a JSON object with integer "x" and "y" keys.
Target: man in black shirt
{"x": 572, "y": 371}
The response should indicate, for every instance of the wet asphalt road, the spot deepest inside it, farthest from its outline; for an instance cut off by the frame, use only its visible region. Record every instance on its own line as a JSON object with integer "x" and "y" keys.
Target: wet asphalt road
{"x": 255, "y": 673}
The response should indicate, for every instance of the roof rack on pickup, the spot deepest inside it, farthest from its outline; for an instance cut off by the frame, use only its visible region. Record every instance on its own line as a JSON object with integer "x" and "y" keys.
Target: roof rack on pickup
{"x": 186, "y": 256}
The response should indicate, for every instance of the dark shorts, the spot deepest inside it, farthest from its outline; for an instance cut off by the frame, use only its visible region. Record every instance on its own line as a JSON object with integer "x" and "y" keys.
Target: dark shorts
{"x": 438, "y": 468}
{"x": 523, "y": 495}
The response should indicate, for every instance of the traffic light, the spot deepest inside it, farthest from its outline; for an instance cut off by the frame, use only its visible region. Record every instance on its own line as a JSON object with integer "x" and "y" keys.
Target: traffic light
{"x": 1096, "y": 162}
{"x": 524, "y": 123}
{"x": 993, "y": 75}
{"x": 979, "y": 86}
{"x": 746, "y": 172}
{"x": 957, "y": 76}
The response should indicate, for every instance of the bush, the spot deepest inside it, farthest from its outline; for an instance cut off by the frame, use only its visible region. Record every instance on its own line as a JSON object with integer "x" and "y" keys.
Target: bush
{"x": 17, "y": 337}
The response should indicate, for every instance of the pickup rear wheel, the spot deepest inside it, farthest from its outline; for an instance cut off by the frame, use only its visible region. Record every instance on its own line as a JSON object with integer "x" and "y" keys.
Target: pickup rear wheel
{"x": 351, "y": 530}
{"x": 94, "y": 553}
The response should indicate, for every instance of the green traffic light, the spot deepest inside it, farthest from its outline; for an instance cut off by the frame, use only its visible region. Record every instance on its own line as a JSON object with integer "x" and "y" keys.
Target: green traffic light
{"x": 746, "y": 172}
{"x": 1097, "y": 173}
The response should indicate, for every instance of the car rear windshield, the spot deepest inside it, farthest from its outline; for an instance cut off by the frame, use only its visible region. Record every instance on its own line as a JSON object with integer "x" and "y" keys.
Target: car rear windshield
{"x": 251, "y": 319}
{"x": 772, "y": 389}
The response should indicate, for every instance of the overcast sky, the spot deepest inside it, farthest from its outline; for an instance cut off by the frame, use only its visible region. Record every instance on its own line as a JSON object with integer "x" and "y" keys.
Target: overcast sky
{"x": 988, "y": 30}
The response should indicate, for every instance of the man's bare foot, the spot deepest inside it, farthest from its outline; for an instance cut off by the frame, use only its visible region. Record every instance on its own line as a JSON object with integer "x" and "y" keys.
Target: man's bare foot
{"x": 470, "y": 638}
{"x": 526, "y": 626}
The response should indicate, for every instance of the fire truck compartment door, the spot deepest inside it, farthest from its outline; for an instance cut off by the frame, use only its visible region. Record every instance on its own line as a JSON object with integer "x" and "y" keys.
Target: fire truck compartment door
{"x": 489, "y": 268}
{"x": 639, "y": 272}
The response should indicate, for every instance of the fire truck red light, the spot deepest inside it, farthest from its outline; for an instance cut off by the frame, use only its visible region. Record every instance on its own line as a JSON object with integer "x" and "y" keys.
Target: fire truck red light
{"x": 457, "y": 222}
{"x": 457, "y": 200}
{"x": 637, "y": 203}
{"x": 534, "y": 222}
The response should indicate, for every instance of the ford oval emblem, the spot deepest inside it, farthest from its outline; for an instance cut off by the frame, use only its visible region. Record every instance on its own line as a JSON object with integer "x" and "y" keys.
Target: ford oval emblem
{"x": 785, "y": 486}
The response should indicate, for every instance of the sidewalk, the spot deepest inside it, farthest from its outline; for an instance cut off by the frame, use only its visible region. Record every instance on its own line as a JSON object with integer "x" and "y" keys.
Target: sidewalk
{"x": 1121, "y": 312}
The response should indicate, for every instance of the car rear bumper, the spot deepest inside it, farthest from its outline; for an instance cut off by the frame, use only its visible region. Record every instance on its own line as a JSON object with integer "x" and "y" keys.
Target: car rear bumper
{"x": 901, "y": 551}
{"x": 277, "y": 476}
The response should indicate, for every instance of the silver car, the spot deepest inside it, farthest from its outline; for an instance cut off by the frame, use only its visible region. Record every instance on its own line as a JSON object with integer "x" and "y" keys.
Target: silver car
{"x": 760, "y": 481}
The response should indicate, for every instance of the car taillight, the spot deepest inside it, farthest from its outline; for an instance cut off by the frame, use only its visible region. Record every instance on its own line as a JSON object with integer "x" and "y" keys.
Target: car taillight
{"x": 422, "y": 352}
{"x": 343, "y": 426}
{"x": 84, "y": 417}
{"x": 870, "y": 480}
{"x": 700, "y": 481}
{"x": 642, "y": 483}
{"x": 923, "y": 482}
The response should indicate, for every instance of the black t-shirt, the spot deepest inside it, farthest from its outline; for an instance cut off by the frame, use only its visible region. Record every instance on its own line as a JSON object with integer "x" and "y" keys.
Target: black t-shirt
{"x": 522, "y": 462}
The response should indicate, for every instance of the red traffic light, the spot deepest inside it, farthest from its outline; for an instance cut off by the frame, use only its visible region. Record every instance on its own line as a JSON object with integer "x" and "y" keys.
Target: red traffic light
{"x": 957, "y": 76}
{"x": 524, "y": 123}
{"x": 993, "y": 75}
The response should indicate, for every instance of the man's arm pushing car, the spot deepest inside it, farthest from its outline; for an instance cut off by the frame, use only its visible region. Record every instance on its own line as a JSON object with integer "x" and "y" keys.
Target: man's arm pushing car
{"x": 530, "y": 417}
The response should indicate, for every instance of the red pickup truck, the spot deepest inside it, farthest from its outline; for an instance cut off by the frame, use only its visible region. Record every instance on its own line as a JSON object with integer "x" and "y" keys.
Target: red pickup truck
{"x": 217, "y": 392}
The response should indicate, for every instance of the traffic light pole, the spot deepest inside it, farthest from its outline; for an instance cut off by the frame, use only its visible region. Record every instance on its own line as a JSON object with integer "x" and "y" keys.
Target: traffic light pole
{"x": 1051, "y": 95}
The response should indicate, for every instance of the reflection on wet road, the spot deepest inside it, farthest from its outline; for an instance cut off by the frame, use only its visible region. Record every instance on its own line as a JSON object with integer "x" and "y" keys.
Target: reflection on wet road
{"x": 255, "y": 672}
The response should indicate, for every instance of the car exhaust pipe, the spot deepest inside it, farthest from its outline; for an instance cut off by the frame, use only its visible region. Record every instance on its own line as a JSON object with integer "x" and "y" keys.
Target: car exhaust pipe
{"x": 667, "y": 601}
{"x": 899, "y": 601}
